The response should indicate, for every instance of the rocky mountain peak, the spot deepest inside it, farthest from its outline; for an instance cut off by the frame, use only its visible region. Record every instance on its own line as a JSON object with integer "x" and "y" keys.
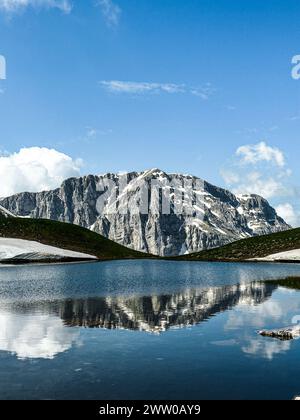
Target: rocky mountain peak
{"x": 129, "y": 210}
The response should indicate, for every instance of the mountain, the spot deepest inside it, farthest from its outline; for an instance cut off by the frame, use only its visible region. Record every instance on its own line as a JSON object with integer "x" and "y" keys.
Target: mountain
{"x": 211, "y": 216}
{"x": 64, "y": 236}
{"x": 273, "y": 247}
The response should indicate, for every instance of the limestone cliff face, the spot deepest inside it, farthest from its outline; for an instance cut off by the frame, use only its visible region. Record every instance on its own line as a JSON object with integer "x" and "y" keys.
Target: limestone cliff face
{"x": 220, "y": 216}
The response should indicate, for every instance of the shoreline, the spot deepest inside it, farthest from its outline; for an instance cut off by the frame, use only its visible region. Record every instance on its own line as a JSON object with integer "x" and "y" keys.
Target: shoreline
{"x": 24, "y": 263}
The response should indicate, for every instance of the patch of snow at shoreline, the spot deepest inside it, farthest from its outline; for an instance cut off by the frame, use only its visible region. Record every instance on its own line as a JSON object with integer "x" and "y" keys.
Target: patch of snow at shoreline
{"x": 20, "y": 249}
{"x": 282, "y": 256}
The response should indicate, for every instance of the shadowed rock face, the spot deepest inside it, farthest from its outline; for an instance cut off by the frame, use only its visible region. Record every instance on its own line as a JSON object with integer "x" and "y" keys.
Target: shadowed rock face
{"x": 156, "y": 313}
{"x": 224, "y": 217}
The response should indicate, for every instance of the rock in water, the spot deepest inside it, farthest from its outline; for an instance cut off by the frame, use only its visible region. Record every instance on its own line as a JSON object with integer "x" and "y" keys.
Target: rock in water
{"x": 288, "y": 333}
{"x": 222, "y": 218}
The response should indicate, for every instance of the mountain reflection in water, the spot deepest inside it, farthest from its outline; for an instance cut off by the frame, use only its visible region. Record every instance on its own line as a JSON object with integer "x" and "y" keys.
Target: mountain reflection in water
{"x": 159, "y": 313}
{"x": 116, "y": 330}
{"x": 42, "y": 329}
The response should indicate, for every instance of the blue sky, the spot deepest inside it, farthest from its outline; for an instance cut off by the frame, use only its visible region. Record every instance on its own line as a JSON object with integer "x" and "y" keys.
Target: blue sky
{"x": 180, "y": 85}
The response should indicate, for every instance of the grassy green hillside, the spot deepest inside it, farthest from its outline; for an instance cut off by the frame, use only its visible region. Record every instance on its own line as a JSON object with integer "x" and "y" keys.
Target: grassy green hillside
{"x": 66, "y": 236}
{"x": 75, "y": 238}
{"x": 256, "y": 247}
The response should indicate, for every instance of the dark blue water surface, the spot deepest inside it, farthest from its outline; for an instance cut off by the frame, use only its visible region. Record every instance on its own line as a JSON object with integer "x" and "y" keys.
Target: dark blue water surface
{"x": 147, "y": 330}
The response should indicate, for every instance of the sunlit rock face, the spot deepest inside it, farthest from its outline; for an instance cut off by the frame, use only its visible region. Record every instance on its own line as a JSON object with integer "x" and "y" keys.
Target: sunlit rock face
{"x": 221, "y": 216}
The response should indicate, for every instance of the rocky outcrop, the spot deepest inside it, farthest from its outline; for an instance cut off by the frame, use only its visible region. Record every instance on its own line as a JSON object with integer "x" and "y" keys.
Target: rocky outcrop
{"x": 210, "y": 216}
{"x": 288, "y": 333}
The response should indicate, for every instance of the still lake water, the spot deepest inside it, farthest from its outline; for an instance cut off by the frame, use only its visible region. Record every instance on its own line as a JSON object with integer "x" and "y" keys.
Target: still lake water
{"x": 147, "y": 330}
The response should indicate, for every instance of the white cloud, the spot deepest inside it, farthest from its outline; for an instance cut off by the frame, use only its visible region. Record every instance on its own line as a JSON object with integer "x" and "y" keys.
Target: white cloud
{"x": 118, "y": 86}
{"x": 288, "y": 213}
{"x": 258, "y": 183}
{"x": 204, "y": 92}
{"x": 230, "y": 177}
{"x": 270, "y": 312}
{"x": 13, "y": 6}
{"x": 262, "y": 169}
{"x": 266, "y": 348}
{"x": 261, "y": 152}
{"x": 258, "y": 169}
{"x": 35, "y": 169}
{"x": 111, "y": 12}
{"x": 35, "y": 336}
{"x": 139, "y": 88}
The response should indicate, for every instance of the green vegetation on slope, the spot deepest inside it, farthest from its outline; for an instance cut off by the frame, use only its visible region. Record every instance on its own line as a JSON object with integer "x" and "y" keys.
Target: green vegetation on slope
{"x": 66, "y": 236}
{"x": 76, "y": 238}
{"x": 257, "y": 247}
